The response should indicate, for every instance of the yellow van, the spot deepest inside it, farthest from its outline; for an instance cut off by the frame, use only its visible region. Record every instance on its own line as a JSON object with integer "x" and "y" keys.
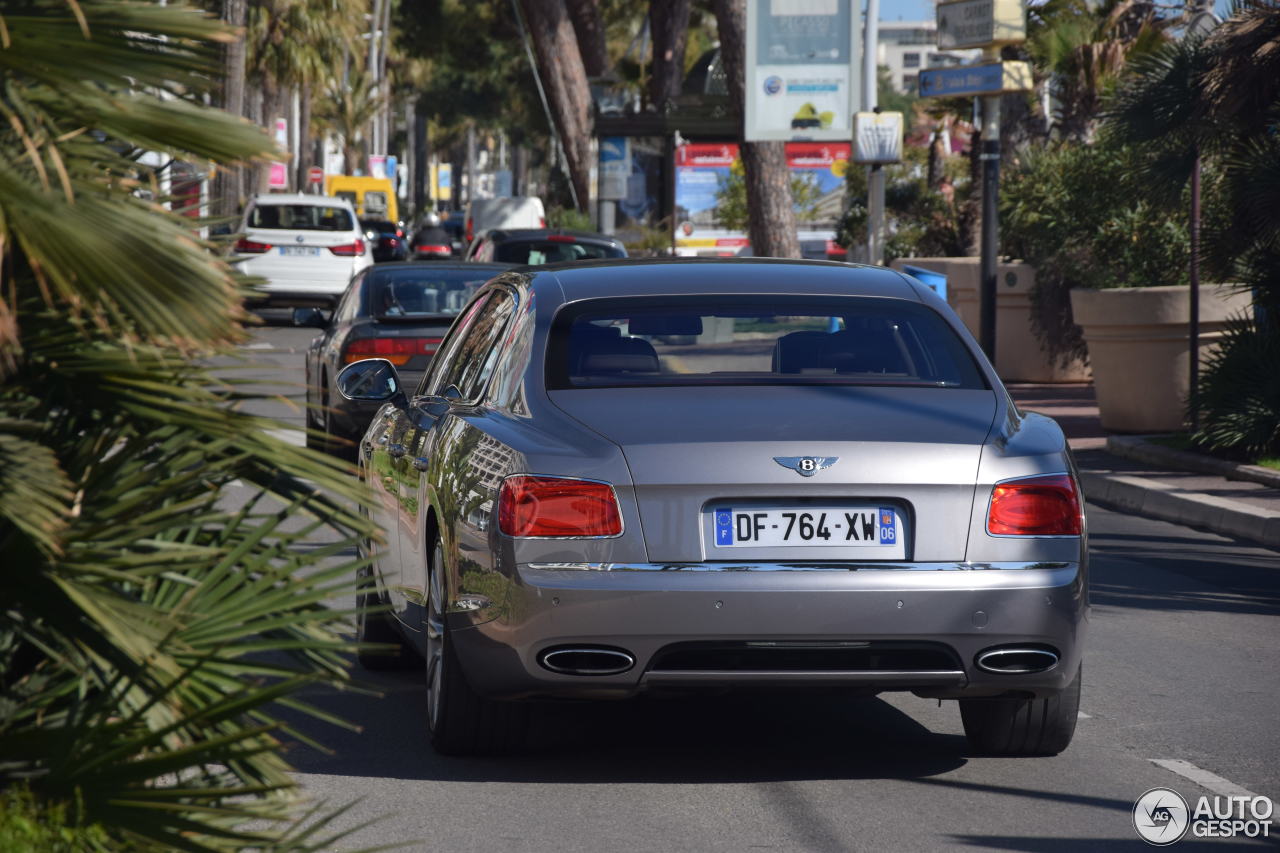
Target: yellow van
{"x": 373, "y": 198}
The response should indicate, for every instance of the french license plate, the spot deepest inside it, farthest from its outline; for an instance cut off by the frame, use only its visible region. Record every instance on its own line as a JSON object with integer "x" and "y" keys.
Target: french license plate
{"x": 812, "y": 526}
{"x": 305, "y": 251}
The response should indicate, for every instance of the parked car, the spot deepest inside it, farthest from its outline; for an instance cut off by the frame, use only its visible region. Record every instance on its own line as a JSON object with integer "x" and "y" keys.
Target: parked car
{"x": 397, "y": 312}
{"x": 543, "y": 246}
{"x": 624, "y": 476}
{"x": 485, "y": 214}
{"x": 387, "y": 239}
{"x": 306, "y": 247}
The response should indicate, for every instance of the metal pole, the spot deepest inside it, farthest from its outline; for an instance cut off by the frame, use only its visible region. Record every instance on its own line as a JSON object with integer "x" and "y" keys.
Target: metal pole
{"x": 990, "y": 157}
{"x": 1194, "y": 332}
{"x": 870, "y": 102}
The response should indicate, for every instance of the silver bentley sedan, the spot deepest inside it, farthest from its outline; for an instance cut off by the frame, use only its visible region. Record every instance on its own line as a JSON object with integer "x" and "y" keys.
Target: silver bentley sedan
{"x": 629, "y": 475}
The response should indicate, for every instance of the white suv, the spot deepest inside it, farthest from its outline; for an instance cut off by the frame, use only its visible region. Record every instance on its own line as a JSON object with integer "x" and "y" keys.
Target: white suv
{"x": 307, "y": 248}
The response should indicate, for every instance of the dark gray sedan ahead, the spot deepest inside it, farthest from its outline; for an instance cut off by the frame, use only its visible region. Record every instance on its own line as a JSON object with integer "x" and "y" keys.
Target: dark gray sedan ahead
{"x": 631, "y": 475}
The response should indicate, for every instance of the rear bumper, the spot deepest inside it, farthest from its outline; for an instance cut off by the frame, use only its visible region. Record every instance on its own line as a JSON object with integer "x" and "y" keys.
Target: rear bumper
{"x": 646, "y": 609}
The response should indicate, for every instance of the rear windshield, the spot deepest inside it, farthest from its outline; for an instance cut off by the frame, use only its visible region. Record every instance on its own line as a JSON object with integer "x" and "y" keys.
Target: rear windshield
{"x": 754, "y": 340}
{"x": 305, "y": 217}
{"x": 551, "y": 252}
{"x": 408, "y": 293}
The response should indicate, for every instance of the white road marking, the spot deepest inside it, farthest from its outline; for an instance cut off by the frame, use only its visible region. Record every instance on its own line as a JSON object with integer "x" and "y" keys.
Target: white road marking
{"x": 1209, "y": 781}
{"x": 292, "y": 436}
{"x": 260, "y": 345}
{"x": 1082, "y": 715}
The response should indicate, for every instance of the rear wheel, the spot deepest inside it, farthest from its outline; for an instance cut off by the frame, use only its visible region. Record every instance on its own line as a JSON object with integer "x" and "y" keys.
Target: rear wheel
{"x": 376, "y": 627}
{"x": 460, "y": 721}
{"x": 1041, "y": 726}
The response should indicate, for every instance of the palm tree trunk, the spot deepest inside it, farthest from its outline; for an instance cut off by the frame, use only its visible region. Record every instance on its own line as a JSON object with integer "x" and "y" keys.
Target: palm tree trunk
{"x": 228, "y": 184}
{"x": 304, "y": 137}
{"x": 771, "y": 218}
{"x": 669, "y": 23}
{"x": 565, "y": 78}
{"x": 589, "y": 27}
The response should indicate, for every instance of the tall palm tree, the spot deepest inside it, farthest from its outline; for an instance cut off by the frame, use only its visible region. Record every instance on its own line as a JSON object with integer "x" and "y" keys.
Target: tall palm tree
{"x": 1083, "y": 46}
{"x": 152, "y": 627}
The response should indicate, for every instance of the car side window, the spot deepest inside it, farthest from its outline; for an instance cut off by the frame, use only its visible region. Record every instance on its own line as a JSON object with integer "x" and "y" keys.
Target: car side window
{"x": 349, "y": 307}
{"x": 433, "y": 381}
{"x": 470, "y": 367}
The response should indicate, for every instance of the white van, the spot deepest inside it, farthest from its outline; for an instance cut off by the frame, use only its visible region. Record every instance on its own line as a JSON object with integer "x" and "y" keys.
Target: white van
{"x": 521, "y": 211}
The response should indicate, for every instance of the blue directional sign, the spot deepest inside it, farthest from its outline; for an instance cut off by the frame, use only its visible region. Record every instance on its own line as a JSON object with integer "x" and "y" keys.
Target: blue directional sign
{"x": 992, "y": 79}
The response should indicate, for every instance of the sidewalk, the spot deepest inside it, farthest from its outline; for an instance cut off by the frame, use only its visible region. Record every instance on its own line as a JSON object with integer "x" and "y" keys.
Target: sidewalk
{"x": 1135, "y": 476}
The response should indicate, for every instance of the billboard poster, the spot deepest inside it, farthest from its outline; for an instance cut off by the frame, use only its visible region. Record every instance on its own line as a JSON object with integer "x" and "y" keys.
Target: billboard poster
{"x": 802, "y": 76}
{"x": 709, "y": 181}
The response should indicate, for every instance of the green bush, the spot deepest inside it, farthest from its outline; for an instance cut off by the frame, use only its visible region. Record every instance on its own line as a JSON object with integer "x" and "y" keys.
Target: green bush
{"x": 1238, "y": 397}
{"x": 1078, "y": 215}
{"x": 29, "y": 826}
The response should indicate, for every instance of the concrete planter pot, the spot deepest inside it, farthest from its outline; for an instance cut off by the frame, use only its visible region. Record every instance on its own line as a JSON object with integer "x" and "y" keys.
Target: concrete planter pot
{"x": 1137, "y": 339}
{"x": 1019, "y": 356}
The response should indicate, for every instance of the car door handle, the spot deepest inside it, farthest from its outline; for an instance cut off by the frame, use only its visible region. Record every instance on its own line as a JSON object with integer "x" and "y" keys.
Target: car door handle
{"x": 420, "y": 463}
{"x": 396, "y": 451}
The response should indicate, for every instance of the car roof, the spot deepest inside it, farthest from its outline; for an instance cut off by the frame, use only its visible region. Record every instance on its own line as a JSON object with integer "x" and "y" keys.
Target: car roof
{"x": 504, "y": 235}
{"x": 576, "y": 280}
{"x": 463, "y": 266}
{"x": 301, "y": 198}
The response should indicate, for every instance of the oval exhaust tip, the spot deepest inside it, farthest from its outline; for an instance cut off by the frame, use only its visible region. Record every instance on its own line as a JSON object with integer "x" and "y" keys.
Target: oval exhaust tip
{"x": 587, "y": 661}
{"x": 1011, "y": 660}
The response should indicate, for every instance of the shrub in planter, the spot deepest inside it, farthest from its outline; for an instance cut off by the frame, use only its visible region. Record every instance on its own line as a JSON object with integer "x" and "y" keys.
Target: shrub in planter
{"x": 1239, "y": 394}
{"x": 1075, "y": 213}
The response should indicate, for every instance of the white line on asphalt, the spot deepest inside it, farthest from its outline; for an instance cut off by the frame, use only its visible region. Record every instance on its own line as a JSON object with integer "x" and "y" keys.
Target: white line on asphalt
{"x": 1209, "y": 781}
{"x": 292, "y": 436}
{"x": 268, "y": 345}
{"x": 1081, "y": 714}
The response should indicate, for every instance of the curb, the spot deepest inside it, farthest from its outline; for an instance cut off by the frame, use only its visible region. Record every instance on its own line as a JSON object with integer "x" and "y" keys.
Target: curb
{"x": 1139, "y": 449}
{"x": 1168, "y": 503}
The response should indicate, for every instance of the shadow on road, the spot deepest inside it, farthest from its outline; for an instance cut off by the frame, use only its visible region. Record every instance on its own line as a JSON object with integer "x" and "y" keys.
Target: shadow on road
{"x": 735, "y": 737}
{"x": 1182, "y": 572}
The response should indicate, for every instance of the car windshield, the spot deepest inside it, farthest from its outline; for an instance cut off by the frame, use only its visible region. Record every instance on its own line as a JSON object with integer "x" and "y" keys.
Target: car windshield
{"x": 414, "y": 292}
{"x": 756, "y": 340}
{"x": 552, "y": 251}
{"x": 301, "y": 217}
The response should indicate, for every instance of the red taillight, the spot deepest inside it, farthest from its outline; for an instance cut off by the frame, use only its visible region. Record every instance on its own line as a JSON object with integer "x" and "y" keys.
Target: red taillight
{"x": 561, "y": 238}
{"x": 1035, "y": 506}
{"x": 398, "y": 351}
{"x": 399, "y": 232}
{"x": 246, "y": 246}
{"x": 349, "y": 250}
{"x": 557, "y": 506}
{"x": 433, "y": 249}
{"x": 470, "y": 233}
{"x": 542, "y": 222}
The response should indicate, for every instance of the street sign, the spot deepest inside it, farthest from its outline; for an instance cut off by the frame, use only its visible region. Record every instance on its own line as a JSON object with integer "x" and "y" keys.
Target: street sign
{"x": 980, "y": 23}
{"x": 615, "y": 168}
{"x": 277, "y": 177}
{"x": 877, "y": 138}
{"x": 996, "y": 78}
{"x": 315, "y": 175}
{"x": 803, "y": 69}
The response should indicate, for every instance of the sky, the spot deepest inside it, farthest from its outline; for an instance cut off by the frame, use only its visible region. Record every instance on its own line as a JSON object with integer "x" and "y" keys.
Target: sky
{"x": 922, "y": 10}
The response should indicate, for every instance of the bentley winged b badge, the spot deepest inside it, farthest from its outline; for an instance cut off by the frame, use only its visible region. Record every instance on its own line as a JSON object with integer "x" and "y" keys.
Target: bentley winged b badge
{"x": 806, "y": 466}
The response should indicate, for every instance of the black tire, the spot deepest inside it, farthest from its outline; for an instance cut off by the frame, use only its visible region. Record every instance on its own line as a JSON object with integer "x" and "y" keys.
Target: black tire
{"x": 1023, "y": 726}
{"x": 459, "y": 720}
{"x": 373, "y": 625}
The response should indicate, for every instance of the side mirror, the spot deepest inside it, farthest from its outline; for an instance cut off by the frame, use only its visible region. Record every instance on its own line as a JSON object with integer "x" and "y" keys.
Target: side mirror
{"x": 312, "y": 317}
{"x": 372, "y": 380}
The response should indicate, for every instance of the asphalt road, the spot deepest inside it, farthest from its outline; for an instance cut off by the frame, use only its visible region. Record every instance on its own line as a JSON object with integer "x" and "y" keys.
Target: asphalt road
{"x": 1181, "y": 668}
